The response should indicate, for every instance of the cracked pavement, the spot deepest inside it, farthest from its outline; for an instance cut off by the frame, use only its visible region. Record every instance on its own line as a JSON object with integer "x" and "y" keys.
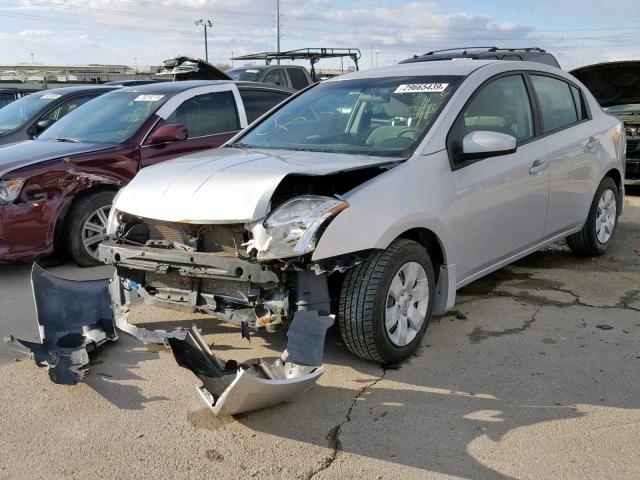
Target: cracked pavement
{"x": 535, "y": 375}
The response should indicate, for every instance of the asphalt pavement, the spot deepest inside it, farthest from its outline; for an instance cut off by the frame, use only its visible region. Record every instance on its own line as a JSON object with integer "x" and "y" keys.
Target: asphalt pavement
{"x": 535, "y": 375}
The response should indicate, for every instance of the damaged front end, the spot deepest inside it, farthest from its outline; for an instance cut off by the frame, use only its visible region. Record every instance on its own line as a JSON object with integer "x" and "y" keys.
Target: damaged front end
{"x": 211, "y": 269}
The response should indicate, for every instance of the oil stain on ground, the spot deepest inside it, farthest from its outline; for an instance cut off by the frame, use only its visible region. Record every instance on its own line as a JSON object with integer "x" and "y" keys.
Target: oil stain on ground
{"x": 206, "y": 420}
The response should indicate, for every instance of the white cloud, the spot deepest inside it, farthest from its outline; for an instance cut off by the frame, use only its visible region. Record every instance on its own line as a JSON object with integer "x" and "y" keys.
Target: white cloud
{"x": 156, "y": 30}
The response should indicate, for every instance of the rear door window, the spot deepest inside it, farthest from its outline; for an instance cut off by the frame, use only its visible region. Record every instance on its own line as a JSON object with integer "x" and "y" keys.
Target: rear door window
{"x": 207, "y": 114}
{"x": 257, "y": 102}
{"x": 298, "y": 78}
{"x": 557, "y": 106}
{"x": 276, "y": 77}
{"x": 501, "y": 106}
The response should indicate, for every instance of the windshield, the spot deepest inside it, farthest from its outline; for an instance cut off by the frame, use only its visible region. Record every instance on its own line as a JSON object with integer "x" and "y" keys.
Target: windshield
{"x": 23, "y": 110}
{"x": 375, "y": 116}
{"x": 110, "y": 118}
{"x": 247, "y": 74}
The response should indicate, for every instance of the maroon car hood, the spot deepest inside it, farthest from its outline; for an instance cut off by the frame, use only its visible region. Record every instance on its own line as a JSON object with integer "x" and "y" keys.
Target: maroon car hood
{"x": 31, "y": 152}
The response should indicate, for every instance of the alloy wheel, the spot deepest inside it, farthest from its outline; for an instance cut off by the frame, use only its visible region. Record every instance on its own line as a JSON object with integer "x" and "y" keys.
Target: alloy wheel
{"x": 606, "y": 216}
{"x": 94, "y": 230}
{"x": 407, "y": 303}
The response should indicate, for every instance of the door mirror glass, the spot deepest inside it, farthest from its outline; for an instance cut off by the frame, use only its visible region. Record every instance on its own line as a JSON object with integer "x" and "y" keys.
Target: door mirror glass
{"x": 483, "y": 144}
{"x": 168, "y": 133}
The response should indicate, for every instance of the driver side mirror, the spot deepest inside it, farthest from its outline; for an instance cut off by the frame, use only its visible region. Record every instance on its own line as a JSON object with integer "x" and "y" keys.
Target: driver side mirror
{"x": 168, "y": 133}
{"x": 42, "y": 125}
{"x": 484, "y": 144}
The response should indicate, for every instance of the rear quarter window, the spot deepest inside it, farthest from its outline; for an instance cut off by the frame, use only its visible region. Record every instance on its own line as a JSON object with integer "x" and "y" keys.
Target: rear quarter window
{"x": 298, "y": 78}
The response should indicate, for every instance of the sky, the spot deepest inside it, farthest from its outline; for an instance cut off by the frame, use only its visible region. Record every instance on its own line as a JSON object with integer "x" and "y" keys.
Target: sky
{"x": 145, "y": 32}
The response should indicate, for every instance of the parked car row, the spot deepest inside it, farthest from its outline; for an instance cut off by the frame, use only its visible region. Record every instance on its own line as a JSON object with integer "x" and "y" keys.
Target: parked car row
{"x": 368, "y": 199}
{"x": 56, "y": 190}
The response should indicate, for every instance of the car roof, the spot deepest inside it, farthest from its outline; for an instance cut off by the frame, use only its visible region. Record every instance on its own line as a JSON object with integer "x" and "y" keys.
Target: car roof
{"x": 80, "y": 89}
{"x": 533, "y": 54}
{"x": 181, "y": 86}
{"x": 436, "y": 67}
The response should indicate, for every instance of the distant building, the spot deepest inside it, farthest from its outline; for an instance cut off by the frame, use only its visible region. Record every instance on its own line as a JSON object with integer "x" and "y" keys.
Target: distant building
{"x": 74, "y": 74}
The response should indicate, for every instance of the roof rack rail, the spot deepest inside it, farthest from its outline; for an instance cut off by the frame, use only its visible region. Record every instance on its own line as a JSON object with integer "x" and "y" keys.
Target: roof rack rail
{"x": 314, "y": 55}
{"x": 464, "y": 50}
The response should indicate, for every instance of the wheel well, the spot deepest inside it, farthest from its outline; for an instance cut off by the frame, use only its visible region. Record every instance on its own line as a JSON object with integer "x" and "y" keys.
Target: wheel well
{"x": 431, "y": 242}
{"x": 615, "y": 175}
{"x": 617, "y": 178}
{"x": 62, "y": 218}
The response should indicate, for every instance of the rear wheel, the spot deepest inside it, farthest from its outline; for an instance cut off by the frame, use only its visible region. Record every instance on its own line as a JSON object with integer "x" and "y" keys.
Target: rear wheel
{"x": 87, "y": 227}
{"x": 599, "y": 229}
{"x": 386, "y": 302}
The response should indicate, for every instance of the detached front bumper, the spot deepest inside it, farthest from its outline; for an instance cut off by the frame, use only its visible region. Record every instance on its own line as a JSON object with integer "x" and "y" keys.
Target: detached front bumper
{"x": 75, "y": 318}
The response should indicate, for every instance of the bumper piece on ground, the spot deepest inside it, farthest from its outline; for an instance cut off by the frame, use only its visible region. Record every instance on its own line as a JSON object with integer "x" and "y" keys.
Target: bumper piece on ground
{"x": 230, "y": 389}
{"x": 73, "y": 318}
{"x": 76, "y": 317}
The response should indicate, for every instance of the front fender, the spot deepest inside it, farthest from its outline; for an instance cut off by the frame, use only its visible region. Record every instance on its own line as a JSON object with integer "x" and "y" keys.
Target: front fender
{"x": 415, "y": 194}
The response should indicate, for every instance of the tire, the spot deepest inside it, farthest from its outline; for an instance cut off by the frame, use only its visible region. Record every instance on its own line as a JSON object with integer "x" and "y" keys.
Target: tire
{"x": 82, "y": 216}
{"x": 587, "y": 241}
{"x": 365, "y": 296}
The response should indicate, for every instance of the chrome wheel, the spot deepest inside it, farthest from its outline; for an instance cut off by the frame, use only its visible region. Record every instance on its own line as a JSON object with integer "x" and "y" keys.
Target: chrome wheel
{"x": 94, "y": 230}
{"x": 407, "y": 303}
{"x": 606, "y": 216}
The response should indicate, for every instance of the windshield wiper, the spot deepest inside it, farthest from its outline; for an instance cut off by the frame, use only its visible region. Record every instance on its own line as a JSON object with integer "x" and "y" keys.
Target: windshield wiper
{"x": 70, "y": 140}
{"x": 239, "y": 145}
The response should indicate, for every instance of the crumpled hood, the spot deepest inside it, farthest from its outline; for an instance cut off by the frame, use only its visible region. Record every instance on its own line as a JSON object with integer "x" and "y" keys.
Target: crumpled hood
{"x": 226, "y": 185}
{"x": 612, "y": 83}
{"x": 31, "y": 152}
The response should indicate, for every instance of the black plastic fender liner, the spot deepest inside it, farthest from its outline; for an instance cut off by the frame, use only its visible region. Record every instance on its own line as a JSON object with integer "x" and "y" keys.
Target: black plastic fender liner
{"x": 72, "y": 316}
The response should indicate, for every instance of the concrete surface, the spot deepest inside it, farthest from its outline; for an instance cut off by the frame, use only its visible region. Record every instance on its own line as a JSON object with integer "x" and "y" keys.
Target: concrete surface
{"x": 523, "y": 381}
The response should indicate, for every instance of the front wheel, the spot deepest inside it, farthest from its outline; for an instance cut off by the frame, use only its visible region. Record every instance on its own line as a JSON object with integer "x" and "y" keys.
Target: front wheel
{"x": 599, "y": 229}
{"x": 87, "y": 227}
{"x": 386, "y": 302}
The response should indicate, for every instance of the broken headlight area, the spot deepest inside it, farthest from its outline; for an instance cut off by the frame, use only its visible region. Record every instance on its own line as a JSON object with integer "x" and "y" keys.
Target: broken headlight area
{"x": 293, "y": 229}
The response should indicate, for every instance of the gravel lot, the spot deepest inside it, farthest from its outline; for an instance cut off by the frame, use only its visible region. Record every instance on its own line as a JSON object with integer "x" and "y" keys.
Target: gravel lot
{"x": 536, "y": 375}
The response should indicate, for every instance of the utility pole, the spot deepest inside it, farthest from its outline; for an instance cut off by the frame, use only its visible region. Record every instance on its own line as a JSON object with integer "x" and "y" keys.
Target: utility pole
{"x": 278, "y": 28}
{"x": 205, "y": 24}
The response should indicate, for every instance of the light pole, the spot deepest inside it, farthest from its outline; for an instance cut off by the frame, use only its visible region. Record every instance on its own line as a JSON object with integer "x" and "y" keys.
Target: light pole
{"x": 135, "y": 59}
{"x": 278, "y": 28}
{"x": 377, "y": 55}
{"x": 231, "y": 58}
{"x": 205, "y": 24}
{"x": 32, "y": 60}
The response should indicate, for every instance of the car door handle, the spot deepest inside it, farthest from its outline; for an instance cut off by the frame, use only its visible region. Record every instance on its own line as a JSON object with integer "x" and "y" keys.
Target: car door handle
{"x": 593, "y": 141}
{"x": 538, "y": 166}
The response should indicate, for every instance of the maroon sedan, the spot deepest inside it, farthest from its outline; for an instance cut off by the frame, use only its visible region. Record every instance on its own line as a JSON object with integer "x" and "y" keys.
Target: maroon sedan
{"x": 56, "y": 191}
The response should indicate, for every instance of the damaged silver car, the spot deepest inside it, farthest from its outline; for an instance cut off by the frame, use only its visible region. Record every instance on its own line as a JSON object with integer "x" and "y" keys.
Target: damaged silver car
{"x": 368, "y": 199}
